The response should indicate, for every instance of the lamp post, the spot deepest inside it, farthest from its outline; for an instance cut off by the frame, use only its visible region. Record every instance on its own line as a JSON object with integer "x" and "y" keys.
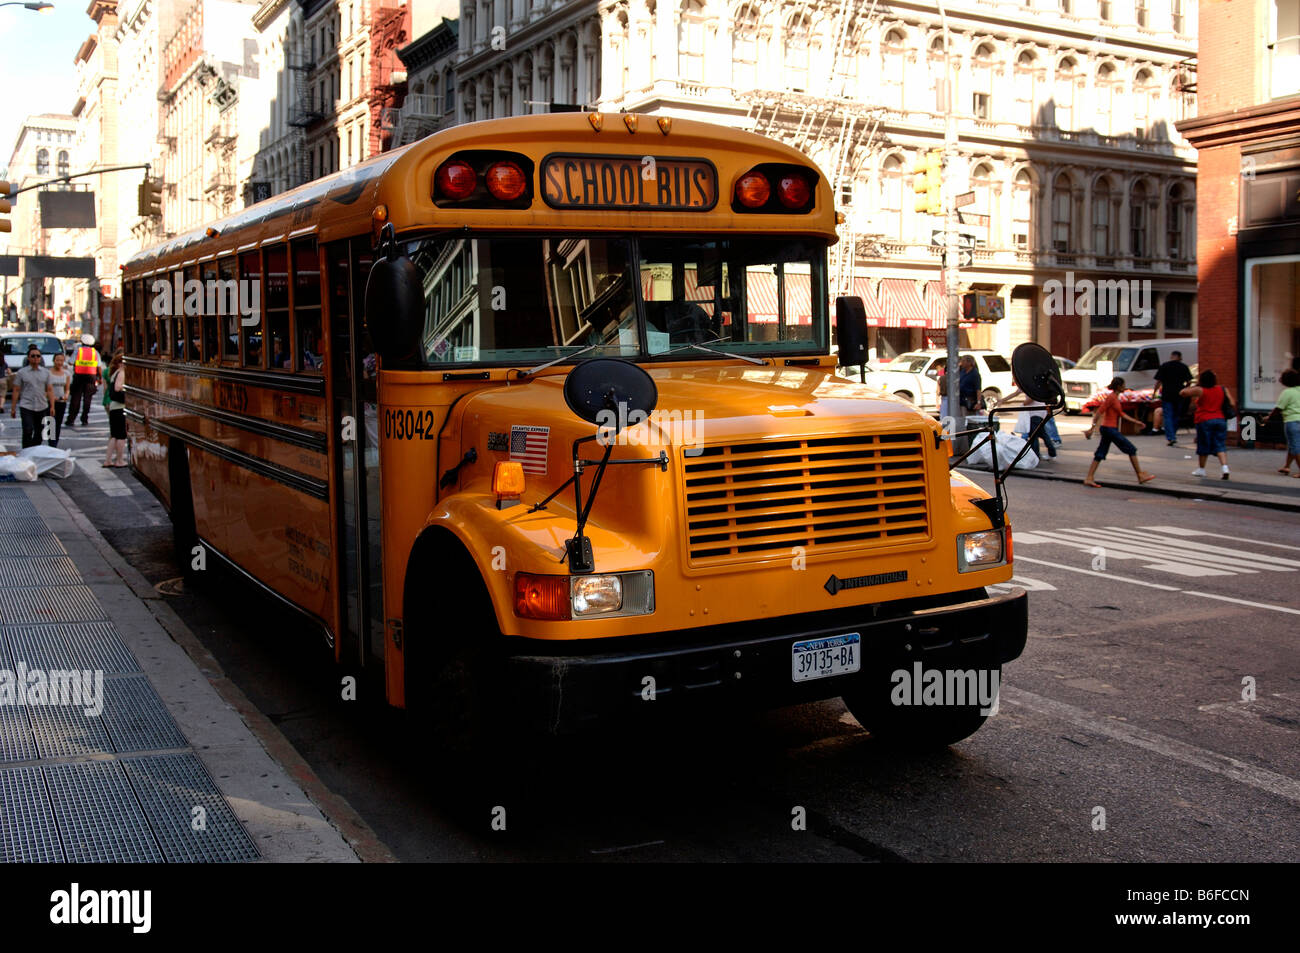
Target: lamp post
{"x": 38, "y": 5}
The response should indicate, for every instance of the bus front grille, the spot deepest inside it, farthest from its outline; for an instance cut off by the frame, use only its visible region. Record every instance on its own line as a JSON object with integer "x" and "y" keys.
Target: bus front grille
{"x": 756, "y": 500}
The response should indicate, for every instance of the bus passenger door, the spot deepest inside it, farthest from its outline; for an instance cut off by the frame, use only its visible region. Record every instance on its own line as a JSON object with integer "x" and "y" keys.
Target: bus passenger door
{"x": 357, "y": 460}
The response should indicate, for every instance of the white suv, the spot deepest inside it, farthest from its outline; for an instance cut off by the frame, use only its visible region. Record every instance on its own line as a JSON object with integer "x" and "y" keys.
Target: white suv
{"x": 14, "y": 345}
{"x": 914, "y": 376}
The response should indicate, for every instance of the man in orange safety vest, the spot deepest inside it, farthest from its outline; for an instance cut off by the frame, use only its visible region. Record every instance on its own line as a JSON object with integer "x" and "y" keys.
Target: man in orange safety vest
{"x": 85, "y": 377}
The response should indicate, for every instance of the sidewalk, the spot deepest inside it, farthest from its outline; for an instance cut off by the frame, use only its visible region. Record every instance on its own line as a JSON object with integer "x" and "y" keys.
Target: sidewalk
{"x": 135, "y": 781}
{"x": 1254, "y": 478}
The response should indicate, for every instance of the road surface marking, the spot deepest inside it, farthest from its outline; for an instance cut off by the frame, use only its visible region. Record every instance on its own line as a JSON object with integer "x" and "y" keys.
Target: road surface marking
{"x": 102, "y": 477}
{"x": 1025, "y": 583}
{"x": 1160, "y": 553}
{"x": 1179, "y": 531}
{"x": 1088, "y": 572}
{"x": 1243, "y": 602}
{"x": 1211, "y": 761}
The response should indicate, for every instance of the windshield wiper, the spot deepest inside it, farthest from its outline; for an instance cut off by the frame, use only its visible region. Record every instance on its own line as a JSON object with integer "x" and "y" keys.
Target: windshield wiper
{"x": 564, "y": 357}
{"x": 713, "y": 350}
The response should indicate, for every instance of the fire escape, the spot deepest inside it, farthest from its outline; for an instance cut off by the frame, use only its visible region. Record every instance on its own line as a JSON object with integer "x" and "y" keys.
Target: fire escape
{"x": 304, "y": 114}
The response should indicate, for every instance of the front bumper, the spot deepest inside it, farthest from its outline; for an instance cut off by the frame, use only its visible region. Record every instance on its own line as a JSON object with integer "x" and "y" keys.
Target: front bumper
{"x": 749, "y": 666}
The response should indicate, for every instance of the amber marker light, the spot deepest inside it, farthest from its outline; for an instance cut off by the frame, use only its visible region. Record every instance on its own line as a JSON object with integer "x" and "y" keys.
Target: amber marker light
{"x": 542, "y": 597}
{"x": 597, "y": 121}
{"x": 793, "y": 191}
{"x": 508, "y": 480}
{"x": 630, "y": 121}
{"x": 455, "y": 180}
{"x": 212, "y": 232}
{"x": 753, "y": 190}
{"x": 378, "y": 219}
{"x": 665, "y": 124}
{"x": 505, "y": 180}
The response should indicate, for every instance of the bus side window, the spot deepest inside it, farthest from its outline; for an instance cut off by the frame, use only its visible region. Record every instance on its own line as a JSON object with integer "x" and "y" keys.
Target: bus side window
{"x": 276, "y": 292}
{"x": 208, "y": 322}
{"x": 310, "y": 353}
{"x": 250, "y": 307}
{"x": 227, "y": 309}
{"x": 163, "y": 347}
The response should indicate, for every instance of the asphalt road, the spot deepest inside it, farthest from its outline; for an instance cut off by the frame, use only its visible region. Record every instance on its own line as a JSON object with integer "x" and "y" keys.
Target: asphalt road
{"x": 1146, "y": 615}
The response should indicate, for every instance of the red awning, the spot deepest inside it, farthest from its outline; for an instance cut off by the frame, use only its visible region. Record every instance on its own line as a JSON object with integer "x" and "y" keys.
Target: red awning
{"x": 903, "y": 301}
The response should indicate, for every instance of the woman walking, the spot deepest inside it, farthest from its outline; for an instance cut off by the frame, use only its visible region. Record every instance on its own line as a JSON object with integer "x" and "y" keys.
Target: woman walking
{"x": 1288, "y": 405}
{"x": 60, "y": 384}
{"x": 1108, "y": 415}
{"x": 116, "y": 411}
{"x": 1211, "y": 421}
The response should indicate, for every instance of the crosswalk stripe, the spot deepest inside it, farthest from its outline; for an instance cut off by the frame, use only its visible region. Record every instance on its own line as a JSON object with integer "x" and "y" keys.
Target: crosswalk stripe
{"x": 1265, "y": 559}
{"x": 1091, "y": 572}
{"x": 1162, "y": 553}
{"x": 1180, "y": 531}
{"x": 1121, "y": 539}
{"x": 1243, "y": 602}
{"x": 1152, "y": 558}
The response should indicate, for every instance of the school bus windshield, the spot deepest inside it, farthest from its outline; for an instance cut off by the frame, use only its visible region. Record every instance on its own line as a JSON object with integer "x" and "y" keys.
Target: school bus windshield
{"x": 512, "y": 299}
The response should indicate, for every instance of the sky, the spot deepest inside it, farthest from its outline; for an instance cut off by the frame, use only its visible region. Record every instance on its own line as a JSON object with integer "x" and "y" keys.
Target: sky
{"x": 36, "y": 69}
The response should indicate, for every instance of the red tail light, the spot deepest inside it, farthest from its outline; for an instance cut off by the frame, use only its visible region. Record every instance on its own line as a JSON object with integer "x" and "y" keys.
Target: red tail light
{"x": 793, "y": 191}
{"x": 753, "y": 190}
{"x": 505, "y": 181}
{"x": 455, "y": 180}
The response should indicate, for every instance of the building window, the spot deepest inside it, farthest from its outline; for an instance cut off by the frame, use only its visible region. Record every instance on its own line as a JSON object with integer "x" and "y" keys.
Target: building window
{"x": 63, "y": 162}
{"x": 938, "y": 73}
{"x": 891, "y": 197}
{"x": 981, "y": 183}
{"x": 796, "y": 52}
{"x": 1140, "y": 219}
{"x": 1066, "y": 81}
{"x": 744, "y": 49}
{"x": 1284, "y": 48}
{"x": 42, "y": 161}
{"x": 1026, "y": 75}
{"x": 690, "y": 42}
{"x": 1176, "y": 15}
{"x": 893, "y": 65}
{"x": 982, "y": 78}
{"x": 1140, "y": 12}
{"x": 1178, "y": 312}
{"x": 1022, "y": 211}
{"x": 1181, "y": 219}
{"x": 1144, "y": 92}
{"x": 1271, "y": 327}
{"x": 1104, "y": 10}
{"x": 1063, "y": 214}
{"x": 1064, "y": 6}
{"x": 1106, "y": 99}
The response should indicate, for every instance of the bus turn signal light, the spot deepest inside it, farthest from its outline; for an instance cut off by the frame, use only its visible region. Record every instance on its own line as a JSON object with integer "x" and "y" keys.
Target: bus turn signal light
{"x": 508, "y": 479}
{"x": 505, "y": 181}
{"x": 793, "y": 191}
{"x": 542, "y": 597}
{"x": 455, "y": 180}
{"x": 753, "y": 190}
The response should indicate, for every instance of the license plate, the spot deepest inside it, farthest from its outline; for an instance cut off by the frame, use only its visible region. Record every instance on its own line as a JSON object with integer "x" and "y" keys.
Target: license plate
{"x": 822, "y": 658}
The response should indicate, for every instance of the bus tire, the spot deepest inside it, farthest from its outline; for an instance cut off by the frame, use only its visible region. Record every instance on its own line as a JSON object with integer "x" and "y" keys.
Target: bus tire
{"x": 914, "y": 729}
{"x": 184, "y": 534}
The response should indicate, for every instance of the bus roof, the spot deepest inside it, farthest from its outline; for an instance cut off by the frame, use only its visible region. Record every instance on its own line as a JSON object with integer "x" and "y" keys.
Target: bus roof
{"x": 341, "y": 204}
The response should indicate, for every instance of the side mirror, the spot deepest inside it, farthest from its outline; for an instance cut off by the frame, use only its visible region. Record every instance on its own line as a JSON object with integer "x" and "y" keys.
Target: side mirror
{"x": 851, "y": 330}
{"x": 610, "y": 393}
{"x": 395, "y": 303}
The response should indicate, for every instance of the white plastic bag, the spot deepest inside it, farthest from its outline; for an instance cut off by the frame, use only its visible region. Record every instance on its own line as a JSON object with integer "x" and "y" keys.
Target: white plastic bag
{"x": 16, "y": 468}
{"x": 49, "y": 461}
{"x": 1008, "y": 446}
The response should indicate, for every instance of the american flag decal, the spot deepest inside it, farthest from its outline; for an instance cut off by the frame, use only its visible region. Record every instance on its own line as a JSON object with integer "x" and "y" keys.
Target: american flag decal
{"x": 528, "y": 446}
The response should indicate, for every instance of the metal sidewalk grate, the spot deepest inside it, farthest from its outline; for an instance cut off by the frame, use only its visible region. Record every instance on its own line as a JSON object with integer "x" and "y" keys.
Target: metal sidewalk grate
{"x": 38, "y": 571}
{"x": 45, "y": 545}
{"x": 170, "y": 788}
{"x": 54, "y": 604}
{"x": 40, "y": 646}
{"x": 31, "y": 525}
{"x": 16, "y": 504}
{"x": 63, "y": 731}
{"x": 27, "y": 831}
{"x": 136, "y": 717}
{"x": 16, "y": 742}
{"x": 98, "y": 815}
{"x": 96, "y": 645}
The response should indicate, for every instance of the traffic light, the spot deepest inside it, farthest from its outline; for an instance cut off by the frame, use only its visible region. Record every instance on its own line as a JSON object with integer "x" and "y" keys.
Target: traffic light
{"x": 927, "y": 182}
{"x": 5, "y": 207}
{"x": 150, "y": 198}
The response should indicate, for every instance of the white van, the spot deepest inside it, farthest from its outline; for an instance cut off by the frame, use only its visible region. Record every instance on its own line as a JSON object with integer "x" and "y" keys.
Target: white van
{"x": 1135, "y": 361}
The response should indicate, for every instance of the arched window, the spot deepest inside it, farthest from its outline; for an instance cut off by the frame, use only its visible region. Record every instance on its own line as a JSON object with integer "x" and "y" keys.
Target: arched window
{"x": 690, "y": 42}
{"x": 1178, "y": 235}
{"x": 938, "y": 72}
{"x": 42, "y": 161}
{"x": 982, "y": 82}
{"x": 1022, "y": 211}
{"x": 1141, "y": 221}
{"x": 1066, "y": 80}
{"x": 1105, "y": 213}
{"x": 1103, "y": 10}
{"x": 981, "y": 183}
{"x": 1144, "y": 102}
{"x": 892, "y": 67}
{"x": 1063, "y": 214}
{"x": 1107, "y": 101}
{"x": 1026, "y": 95}
{"x": 63, "y": 162}
{"x": 744, "y": 49}
{"x": 797, "y": 36}
{"x": 1183, "y": 96}
{"x": 892, "y": 174}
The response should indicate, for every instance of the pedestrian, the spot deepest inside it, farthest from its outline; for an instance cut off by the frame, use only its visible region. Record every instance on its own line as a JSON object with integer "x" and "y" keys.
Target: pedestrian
{"x": 1171, "y": 378}
{"x": 1212, "y": 401}
{"x": 85, "y": 371}
{"x": 33, "y": 396}
{"x": 1288, "y": 405}
{"x": 60, "y": 383}
{"x": 116, "y": 411}
{"x": 970, "y": 387}
{"x": 1108, "y": 414}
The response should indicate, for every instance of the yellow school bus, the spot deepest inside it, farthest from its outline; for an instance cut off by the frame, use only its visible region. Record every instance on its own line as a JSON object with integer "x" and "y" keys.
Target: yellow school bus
{"x": 541, "y": 416}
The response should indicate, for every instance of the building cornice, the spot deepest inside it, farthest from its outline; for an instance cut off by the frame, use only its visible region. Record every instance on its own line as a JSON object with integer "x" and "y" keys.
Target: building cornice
{"x": 1279, "y": 117}
{"x": 438, "y": 42}
{"x": 267, "y": 13}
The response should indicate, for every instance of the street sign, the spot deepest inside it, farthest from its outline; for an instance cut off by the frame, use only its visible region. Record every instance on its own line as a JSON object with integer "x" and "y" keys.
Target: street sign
{"x": 965, "y": 259}
{"x": 936, "y": 238}
{"x": 965, "y": 199}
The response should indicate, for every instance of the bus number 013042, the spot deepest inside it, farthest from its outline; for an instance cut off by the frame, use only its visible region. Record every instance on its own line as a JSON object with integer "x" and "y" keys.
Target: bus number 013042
{"x": 409, "y": 425}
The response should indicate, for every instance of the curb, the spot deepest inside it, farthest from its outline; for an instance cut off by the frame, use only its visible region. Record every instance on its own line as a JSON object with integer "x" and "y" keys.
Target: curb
{"x": 1272, "y": 504}
{"x": 336, "y": 810}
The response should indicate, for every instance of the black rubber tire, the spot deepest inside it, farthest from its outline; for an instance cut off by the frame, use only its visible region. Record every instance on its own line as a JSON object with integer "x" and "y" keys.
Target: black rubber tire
{"x": 910, "y": 729}
{"x": 184, "y": 534}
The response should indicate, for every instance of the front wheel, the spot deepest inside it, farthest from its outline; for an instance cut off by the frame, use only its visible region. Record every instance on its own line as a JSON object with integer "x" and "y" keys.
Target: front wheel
{"x": 916, "y": 728}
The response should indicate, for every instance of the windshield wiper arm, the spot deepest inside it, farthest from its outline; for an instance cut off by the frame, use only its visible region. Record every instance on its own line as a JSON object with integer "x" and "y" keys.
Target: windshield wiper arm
{"x": 714, "y": 350}
{"x": 564, "y": 357}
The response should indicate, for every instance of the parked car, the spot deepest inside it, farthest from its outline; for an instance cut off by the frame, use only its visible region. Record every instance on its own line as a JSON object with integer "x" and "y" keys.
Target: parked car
{"x": 1135, "y": 361}
{"x": 14, "y": 345}
{"x": 914, "y": 376}
{"x": 1064, "y": 363}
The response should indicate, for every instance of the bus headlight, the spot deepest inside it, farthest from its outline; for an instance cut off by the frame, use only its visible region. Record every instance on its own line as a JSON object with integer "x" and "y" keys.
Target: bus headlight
{"x": 613, "y": 594}
{"x": 980, "y": 550}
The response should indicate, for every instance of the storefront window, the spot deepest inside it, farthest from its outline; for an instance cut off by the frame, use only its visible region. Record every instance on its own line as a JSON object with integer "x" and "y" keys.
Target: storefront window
{"x": 1272, "y": 327}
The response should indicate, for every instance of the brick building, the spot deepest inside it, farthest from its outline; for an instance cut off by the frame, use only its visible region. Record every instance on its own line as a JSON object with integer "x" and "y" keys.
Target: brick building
{"x": 1248, "y": 193}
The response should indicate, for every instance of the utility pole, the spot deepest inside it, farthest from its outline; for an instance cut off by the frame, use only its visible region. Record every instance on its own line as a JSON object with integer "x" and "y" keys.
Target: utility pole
{"x": 951, "y": 254}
